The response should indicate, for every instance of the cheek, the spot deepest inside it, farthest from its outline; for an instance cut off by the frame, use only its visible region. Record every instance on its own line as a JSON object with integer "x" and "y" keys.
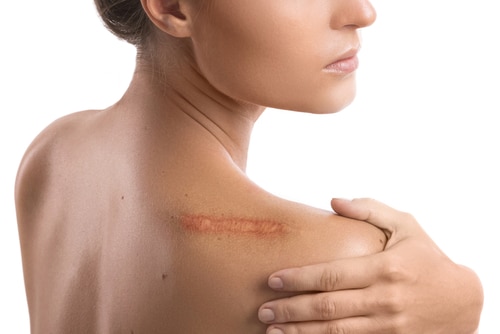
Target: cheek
{"x": 273, "y": 63}
{"x": 240, "y": 57}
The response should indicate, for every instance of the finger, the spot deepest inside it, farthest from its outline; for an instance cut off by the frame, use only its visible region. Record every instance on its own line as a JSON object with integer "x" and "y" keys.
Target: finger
{"x": 353, "y": 273}
{"x": 318, "y": 306}
{"x": 376, "y": 213}
{"x": 355, "y": 325}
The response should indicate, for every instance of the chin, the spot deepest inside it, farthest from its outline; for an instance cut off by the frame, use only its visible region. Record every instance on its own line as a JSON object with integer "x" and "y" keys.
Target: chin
{"x": 332, "y": 99}
{"x": 325, "y": 107}
{"x": 326, "y": 111}
{"x": 325, "y": 99}
{"x": 338, "y": 100}
{"x": 317, "y": 110}
{"x": 329, "y": 105}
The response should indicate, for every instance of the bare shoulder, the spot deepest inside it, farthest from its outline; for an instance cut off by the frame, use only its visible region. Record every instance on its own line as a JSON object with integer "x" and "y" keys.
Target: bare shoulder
{"x": 234, "y": 205}
{"x": 251, "y": 212}
{"x": 257, "y": 233}
{"x": 36, "y": 168}
{"x": 342, "y": 236}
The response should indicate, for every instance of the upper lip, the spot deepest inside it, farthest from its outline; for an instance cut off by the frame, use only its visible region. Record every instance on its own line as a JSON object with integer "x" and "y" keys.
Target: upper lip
{"x": 351, "y": 52}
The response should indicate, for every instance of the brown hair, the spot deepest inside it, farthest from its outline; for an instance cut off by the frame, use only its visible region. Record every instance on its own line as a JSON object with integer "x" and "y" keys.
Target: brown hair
{"x": 126, "y": 19}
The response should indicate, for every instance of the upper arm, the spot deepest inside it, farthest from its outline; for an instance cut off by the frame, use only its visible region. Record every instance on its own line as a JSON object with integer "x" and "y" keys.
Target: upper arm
{"x": 32, "y": 177}
{"x": 36, "y": 171}
{"x": 31, "y": 182}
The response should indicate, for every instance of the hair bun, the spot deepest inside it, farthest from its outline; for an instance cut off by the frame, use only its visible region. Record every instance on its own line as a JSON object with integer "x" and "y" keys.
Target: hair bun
{"x": 125, "y": 18}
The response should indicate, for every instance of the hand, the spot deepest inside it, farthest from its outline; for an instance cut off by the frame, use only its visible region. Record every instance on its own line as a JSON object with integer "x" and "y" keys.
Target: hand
{"x": 411, "y": 287}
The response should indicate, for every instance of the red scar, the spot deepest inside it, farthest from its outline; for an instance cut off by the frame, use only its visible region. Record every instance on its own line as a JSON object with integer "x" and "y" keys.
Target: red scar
{"x": 238, "y": 226}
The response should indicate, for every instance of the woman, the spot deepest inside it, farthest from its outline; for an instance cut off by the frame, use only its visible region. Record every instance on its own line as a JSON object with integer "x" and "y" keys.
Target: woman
{"x": 140, "y": 218}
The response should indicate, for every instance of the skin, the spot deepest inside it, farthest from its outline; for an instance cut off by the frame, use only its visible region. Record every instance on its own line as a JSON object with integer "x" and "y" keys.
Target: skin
{"x": 139, "y": 218}
{"x": 109, "y": 201}
{"x": 279, "y": 52}
{"x": 409, "y": 288}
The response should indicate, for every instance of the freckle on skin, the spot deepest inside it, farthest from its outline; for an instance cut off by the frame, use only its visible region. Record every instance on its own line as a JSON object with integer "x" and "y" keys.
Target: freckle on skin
{"x": 164, "y": 276}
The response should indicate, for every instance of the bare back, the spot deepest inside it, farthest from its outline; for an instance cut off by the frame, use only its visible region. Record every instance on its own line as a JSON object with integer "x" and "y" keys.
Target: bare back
{"x": 122, "y": 233}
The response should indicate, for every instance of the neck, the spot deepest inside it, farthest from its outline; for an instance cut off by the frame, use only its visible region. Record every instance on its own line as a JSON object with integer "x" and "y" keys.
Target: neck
{"x": 183, "y": 103}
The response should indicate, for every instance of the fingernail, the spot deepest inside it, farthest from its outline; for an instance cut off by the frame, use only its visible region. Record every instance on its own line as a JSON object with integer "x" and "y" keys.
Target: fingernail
{"x": 275, "y": 283}
{"x": 343, "y": 199}
{"x": 266, "y": 315}
{"x": 275, "y": 331}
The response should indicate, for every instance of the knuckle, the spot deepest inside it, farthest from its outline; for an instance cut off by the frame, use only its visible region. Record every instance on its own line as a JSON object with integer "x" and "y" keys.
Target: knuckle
{"x": 400, "y": 325}
{"x": 389, "y": 325}
{"x": 394, "y": 303}
{"x": 333, "y": 328}
{"x": 395, "y": 270}
{"x": 370, "y": 200}
{"x": 285, "y": 313}
{"x": 328, "y": 280}
{"x": 408, "y": 217}
{"x": 327, "y": 308}
{"x": 394, "y": 273}
{"x": 396, "y": 325}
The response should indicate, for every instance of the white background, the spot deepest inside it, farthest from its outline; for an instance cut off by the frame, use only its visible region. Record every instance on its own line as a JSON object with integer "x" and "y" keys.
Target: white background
{"x": 423, "y": 134}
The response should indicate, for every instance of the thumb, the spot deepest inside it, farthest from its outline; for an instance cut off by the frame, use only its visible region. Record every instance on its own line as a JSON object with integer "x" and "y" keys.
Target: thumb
{"x": 390, "y": 220}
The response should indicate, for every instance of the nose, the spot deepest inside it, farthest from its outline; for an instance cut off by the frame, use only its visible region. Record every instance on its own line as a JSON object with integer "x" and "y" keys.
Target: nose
{"x": 352, "y": 14}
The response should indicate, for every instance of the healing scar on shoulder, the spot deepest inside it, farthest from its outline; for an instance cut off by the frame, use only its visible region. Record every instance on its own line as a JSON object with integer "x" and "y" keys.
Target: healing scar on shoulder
{"x": 231, "y": 225}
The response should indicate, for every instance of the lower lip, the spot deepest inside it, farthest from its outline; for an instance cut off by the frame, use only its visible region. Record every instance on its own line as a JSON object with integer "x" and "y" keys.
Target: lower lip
{"x": 343, "y": 66}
